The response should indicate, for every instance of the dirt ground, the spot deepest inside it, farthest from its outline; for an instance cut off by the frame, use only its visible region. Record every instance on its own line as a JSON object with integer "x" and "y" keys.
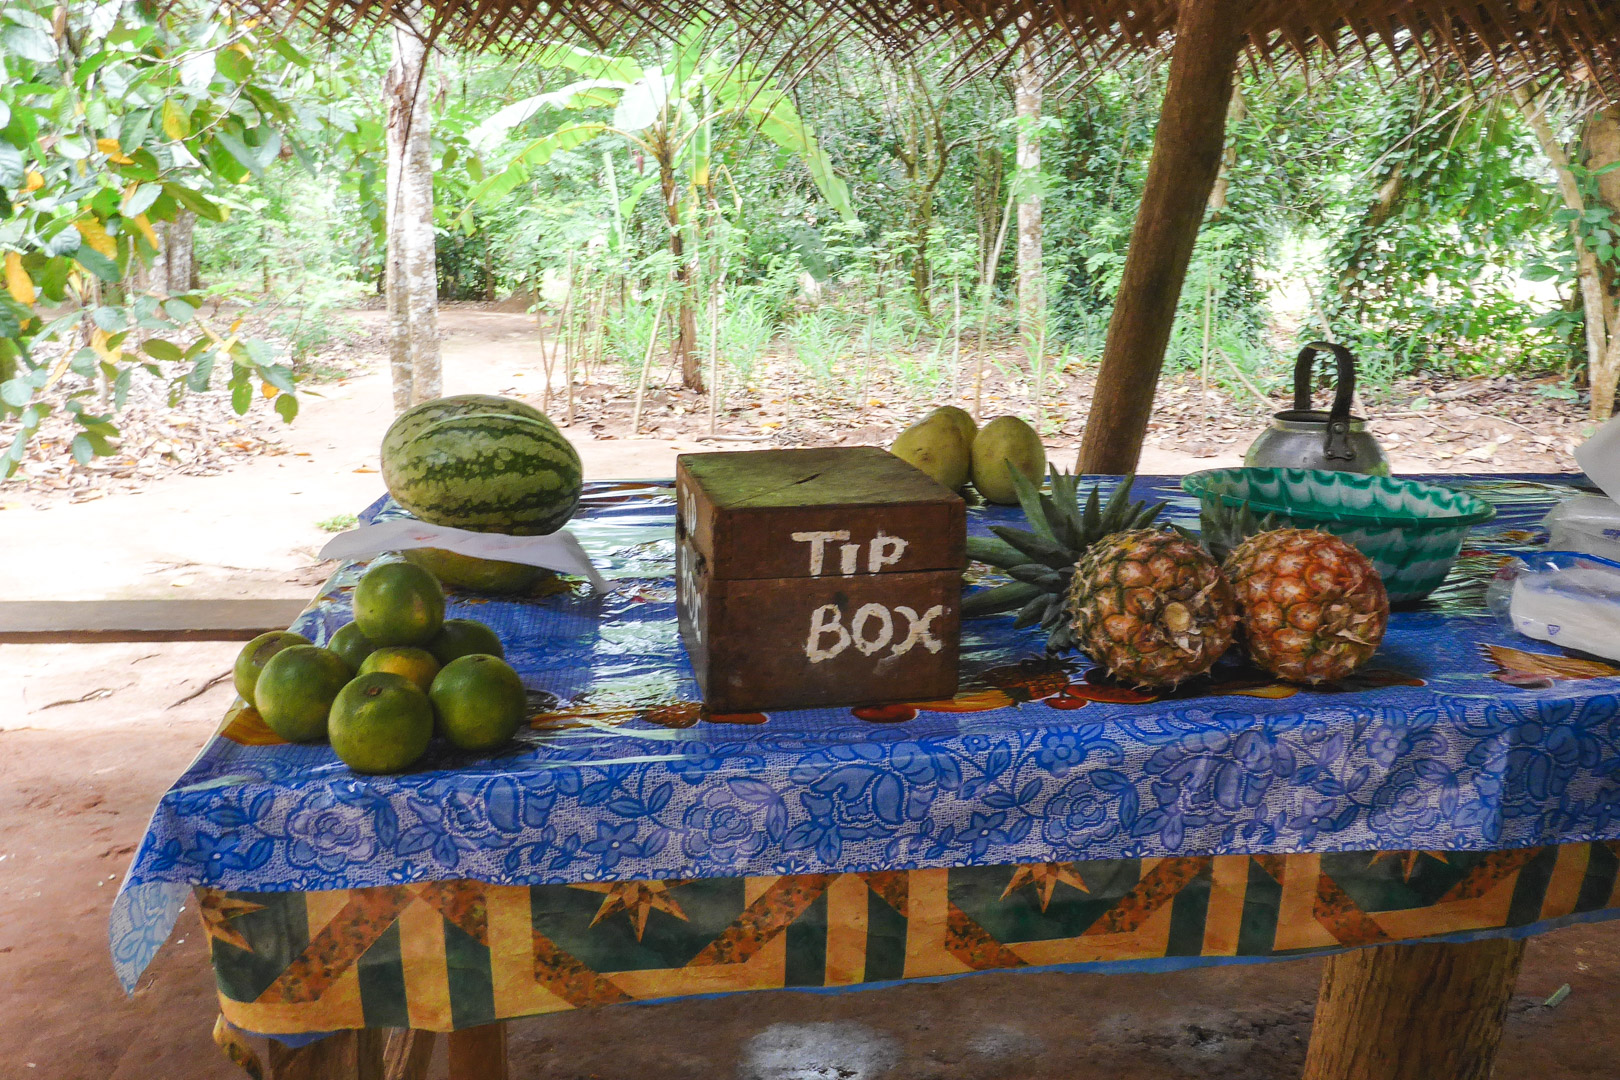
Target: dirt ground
{"x": 90, "y": 736}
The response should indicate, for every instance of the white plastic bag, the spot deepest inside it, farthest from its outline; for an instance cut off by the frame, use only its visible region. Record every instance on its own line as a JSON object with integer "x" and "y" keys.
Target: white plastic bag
{"x": 1564, "y": 597}
{"x": 1589, "y": 524}
{"x": 1599, "y": 457}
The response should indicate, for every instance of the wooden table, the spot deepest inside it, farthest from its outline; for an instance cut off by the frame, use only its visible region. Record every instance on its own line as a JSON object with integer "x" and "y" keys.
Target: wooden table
{"x": 944, "y": 828}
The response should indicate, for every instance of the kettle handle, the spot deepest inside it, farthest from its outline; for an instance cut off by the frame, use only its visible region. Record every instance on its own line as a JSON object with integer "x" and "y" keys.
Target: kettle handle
{"x": 1336, "y": 441}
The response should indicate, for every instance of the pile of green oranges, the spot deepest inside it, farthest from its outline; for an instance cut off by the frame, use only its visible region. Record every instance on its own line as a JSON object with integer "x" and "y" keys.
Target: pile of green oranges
{"x": 388, "y": 681}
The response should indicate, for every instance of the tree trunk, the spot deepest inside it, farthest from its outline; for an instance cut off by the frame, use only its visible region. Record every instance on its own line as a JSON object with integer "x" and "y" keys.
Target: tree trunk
{"x": 479, "y": 1053}
{"x": 1597, "y": 288}
{"x": 157, "y": 275}
{"x": 1413, "y": 1012}
{"x": 412, "y": 286}
{"x": 922, "y": 272}
{"x": 180, "y": 267}
{"x": 1186, "y": 156}
{"x": 686, "y": 313}
{"x": 343, "y": 1055}
{"x": 1235, "y": 113}
{"x": 1027, "y": 87}
{"x": 1603, "y": 148}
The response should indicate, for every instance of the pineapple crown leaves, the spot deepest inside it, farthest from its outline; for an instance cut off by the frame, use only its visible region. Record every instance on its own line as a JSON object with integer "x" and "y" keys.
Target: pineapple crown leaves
{"x": 1222, "y": 528}
{"x": 1041, "y": 560}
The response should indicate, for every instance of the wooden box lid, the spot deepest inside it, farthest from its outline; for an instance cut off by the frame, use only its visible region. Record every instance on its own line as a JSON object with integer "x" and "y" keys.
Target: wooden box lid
{"x": 820, "y": 512}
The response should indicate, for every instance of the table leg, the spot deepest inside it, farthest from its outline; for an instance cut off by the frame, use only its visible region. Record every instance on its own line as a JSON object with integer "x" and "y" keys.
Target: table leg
{"x": 228, "y": 1039}
{"x": 408, "y": 1053}
{"x": 344, "y": 1055}
{"x": 1413, "y": 1012}
{"x": 478, "y": 1053}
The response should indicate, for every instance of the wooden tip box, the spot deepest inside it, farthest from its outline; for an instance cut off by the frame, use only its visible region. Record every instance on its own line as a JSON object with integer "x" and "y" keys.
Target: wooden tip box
{"x": 817, "y": 577}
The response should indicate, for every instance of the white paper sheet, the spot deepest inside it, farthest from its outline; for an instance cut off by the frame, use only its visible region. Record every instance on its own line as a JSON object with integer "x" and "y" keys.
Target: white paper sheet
{"x": 555, "y": 551}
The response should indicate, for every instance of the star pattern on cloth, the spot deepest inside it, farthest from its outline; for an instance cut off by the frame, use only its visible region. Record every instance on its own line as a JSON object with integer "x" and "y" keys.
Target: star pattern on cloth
{"x": 1045, "y": 877}
{"x": 1408, "y": 860}
{"x": 217, "y": 911}
{"x": 637, "y": 899}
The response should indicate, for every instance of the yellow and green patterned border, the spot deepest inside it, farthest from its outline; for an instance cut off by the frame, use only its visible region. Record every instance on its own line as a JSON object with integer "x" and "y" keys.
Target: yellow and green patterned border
{"x": 456, "y": 954}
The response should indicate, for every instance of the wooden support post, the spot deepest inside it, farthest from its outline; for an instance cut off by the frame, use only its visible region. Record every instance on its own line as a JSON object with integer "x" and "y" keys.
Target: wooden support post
{"x": 478, "y": 1053}
{"x": 1413, "y": 1012}
{"x": 408, "y": 1053}
{"x": 345, "y": 1055}
{"x": 1186, "y": 158}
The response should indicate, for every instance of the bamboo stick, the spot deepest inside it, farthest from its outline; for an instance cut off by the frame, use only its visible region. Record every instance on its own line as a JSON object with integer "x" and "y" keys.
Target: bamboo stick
{"x": 956, "y": 336}
{"x": 646, "y": 365}
{"x": 714, "y": 350}
{"x": 568, "y": 374}
{"x": 559, "y": 337}
{"x": 986, "y": 289}
{"x": 1253, "y": 389}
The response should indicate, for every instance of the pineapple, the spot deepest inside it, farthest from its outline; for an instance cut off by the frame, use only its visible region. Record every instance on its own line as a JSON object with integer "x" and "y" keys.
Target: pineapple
{"x": 1148, "y": 605}
{"x": 1042, "y": 561}
{"x": 1152, "y": 607}
{"x": 1313, "y": 607}
{"x": 1222, "y": 527}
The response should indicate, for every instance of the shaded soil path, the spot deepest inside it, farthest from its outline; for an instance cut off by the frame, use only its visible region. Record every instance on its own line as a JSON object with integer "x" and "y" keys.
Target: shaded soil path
{"x": 251, "y": 528}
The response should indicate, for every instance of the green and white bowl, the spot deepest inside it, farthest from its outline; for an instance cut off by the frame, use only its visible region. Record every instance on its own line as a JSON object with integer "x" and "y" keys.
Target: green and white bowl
{"x": 1412, "y": 532}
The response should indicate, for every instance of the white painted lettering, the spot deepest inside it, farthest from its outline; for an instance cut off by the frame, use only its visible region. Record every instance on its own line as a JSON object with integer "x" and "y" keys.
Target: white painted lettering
{"x": 885, "y": 551}
{"x": 857, "y": 628}
{"x": 818, "y": 546}
{"x": 848, "y": 557}
{"x": 691, "y": 594}
{"x": 919, "y": 633}
{"x": 827, "y": 619}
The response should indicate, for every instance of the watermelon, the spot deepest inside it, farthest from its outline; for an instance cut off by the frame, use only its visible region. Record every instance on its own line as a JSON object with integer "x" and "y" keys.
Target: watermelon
{"x": 413, "y": 421}
{"x": 480, "y": 575}
{"x": 506, "y": 469}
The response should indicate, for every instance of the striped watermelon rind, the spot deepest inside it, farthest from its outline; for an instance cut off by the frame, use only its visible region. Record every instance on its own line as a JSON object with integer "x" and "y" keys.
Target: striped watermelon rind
{"x": 488, "y": 472}
{"x": 418, "y": 418}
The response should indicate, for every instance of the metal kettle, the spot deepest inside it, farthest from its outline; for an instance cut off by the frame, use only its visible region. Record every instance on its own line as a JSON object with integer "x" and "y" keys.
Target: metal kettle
{"x": 1305, "y": 438}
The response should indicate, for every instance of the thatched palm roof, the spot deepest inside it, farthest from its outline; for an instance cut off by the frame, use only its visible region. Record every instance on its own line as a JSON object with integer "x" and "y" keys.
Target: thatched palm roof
{"x": 1519, "y": 39}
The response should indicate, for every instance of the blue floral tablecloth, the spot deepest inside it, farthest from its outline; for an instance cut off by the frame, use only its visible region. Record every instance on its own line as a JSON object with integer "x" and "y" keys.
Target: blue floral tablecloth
{"x": 1459, "y": 737}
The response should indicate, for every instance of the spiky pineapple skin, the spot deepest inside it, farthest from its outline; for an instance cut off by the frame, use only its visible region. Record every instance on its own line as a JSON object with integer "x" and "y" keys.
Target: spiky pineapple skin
{"x": 1152, "y": 607}
{"x": 1042, "y": 562}
{"x": 1313, "y": 608}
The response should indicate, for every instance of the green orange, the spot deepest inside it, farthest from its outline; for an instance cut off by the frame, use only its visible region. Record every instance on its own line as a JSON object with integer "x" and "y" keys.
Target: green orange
{"x": 399, "y": 603}
{"x": 480, "y": 702}
{"x": 296, "y": 688}
{"x": 463, "y": 637}
{"x": 352, "y": 644}
{"x": 381, "y": 723}
{"x": 257, "y": 653}
{"x": 417, "y": 665}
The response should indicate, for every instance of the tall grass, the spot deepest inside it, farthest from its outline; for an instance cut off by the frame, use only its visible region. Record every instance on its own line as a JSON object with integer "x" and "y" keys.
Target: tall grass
{"x": 628, "y": 329}
{"x": 746, "y": 331}
{"x": 819, "y": 339}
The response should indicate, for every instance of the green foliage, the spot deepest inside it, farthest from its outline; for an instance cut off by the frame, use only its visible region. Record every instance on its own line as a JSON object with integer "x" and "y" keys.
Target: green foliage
{"x": 110, "y": 122}
{"x": 819, "y": 339}
{"x": 745, "y": 332}
{"x": 1424, "y": 269}
{"x": 841, "y": 219}
{"x": 1596, "y": 224}
{"x": 629, "y": 329}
